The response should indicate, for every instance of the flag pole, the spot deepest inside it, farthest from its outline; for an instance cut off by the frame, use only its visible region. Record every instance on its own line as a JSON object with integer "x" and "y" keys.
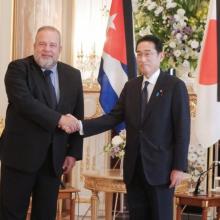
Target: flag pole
{"x": 210, "y": 162}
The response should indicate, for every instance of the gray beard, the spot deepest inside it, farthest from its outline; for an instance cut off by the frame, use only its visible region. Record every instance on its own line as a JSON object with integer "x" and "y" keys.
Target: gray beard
{"x": 45, "y": 63}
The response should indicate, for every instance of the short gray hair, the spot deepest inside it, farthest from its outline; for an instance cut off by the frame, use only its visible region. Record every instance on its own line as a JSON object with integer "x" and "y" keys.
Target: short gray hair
{"x": 50, "y": 28}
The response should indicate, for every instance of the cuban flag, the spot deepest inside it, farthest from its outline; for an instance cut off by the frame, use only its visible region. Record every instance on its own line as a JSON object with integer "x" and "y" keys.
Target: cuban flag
{"x": 118, "y": 59}
{"x": 208, "y": 94}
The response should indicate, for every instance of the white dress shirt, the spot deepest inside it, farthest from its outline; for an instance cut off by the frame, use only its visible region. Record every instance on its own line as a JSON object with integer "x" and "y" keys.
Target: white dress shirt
{"x": 152, "y": 81}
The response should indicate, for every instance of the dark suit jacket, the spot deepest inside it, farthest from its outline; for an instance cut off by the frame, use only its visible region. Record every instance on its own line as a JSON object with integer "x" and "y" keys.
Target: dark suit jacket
{"x": 162, "y": 137}
{"x": 31, "y": 123}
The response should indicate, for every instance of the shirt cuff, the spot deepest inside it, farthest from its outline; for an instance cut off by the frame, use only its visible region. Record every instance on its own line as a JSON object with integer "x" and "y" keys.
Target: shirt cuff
{"x": 81, "y": 132}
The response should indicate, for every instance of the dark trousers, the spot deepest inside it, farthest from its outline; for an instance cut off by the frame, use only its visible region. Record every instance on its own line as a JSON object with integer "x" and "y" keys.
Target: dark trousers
{"x": 147, "y": 202}
{"x": 17, "y": 187}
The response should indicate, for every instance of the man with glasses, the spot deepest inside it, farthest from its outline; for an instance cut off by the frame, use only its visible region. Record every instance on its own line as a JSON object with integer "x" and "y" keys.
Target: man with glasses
{"x": 155, "y": 108}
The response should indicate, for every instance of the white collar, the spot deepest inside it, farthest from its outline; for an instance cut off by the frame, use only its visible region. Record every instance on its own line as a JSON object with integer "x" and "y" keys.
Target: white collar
{"x": 153, "y": 78}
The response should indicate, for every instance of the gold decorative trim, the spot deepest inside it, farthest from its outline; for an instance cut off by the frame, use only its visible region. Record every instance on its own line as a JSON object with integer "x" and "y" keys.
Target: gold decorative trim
{"x": 192, "y": 104}
{"x": 90, "y": 86}
{"x": 98, "y": 111}
{"x": 91, "y": 94}
{"x": 106, "y": 185}
{"x": 205, "y": 204}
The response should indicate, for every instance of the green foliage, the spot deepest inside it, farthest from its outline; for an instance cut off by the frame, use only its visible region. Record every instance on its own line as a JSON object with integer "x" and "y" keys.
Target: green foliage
{"x": 179, "y": 24}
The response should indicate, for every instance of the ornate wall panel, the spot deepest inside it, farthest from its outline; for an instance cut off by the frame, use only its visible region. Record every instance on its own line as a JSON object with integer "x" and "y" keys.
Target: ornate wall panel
{"x": 94, "y": 157}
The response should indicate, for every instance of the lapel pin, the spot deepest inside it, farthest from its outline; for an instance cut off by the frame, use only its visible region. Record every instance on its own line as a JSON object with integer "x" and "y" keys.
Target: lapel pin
{"x": 159, "y": 93}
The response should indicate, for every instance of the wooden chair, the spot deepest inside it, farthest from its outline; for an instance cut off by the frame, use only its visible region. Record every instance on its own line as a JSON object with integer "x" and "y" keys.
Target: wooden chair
{"x": 66, "y": 193}
{"x": 69, "y": 193}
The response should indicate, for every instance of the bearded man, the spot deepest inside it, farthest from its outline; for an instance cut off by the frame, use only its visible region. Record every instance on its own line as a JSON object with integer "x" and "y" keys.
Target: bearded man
{"x": 36, "y": 146}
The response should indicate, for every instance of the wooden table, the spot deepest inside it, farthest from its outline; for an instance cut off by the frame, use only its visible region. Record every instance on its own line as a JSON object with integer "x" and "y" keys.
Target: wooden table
{"x": 108, "y": 181}
{"x": 203, "y": 201}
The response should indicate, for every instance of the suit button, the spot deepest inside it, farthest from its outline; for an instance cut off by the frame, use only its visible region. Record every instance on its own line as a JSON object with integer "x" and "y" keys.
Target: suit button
{"x": 140, "y": 131}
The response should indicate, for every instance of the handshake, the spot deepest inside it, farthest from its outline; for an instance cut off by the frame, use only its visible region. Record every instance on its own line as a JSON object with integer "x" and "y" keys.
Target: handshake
{"x": 69, "y": 123}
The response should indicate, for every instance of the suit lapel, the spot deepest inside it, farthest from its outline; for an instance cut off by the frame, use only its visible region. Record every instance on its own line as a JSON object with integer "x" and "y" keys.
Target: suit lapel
{"x": 154, "y": 96}
{"x": 137, "y": 98}
{"x": 41, "y": 82}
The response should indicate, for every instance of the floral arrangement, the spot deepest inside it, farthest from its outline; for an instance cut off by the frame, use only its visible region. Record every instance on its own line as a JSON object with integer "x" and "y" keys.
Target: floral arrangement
{"x": 180, "y": 24}
{"x": 116, "y": 147}
{"x": 196, "y": 163}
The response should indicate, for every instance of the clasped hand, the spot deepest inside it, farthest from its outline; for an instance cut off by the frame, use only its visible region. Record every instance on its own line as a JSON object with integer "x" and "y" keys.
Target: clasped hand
{"x": 69, "y": 123}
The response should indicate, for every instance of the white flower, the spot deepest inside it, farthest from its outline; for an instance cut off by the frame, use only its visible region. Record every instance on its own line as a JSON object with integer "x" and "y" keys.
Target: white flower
{"x": 117, "y": 140}
{"x": 177, "y": 53}
{"x": 192, "y": 148}
{"x": 181, "y": 12}
{"x": 200, "y": 151}
{"x": 182, "y": 23}
{"x": 179, "y": 17}
{"x": 172, "y": 44}
{"x": 186, "y": 64}
{"x": 164, "y": 17}
{"x": 194, "y": 44}
{"x": 171, "y": 5}
{"x": 145, "y": 31}
{"x": 145, "y": 4}
{"x": 117, "y": 146}
{"x": 123, "y": 134}
{"x": 121, "y": 153}
{"x": 152, "y": 6}
{"x": 185, "y": 37}
{"x": 192, "y": 157}
{"x": 158, "y": 10}
{"x": 178, "y": 36}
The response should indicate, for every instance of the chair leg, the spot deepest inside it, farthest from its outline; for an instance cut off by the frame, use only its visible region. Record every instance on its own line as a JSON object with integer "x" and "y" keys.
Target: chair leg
{"x": 72, "y": 209}
{"x": 59, "y": 209}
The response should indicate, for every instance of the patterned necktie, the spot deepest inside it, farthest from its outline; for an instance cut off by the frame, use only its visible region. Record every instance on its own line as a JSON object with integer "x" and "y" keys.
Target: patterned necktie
{"x": 51, "y": 88}
{"x": 144, "y": 99}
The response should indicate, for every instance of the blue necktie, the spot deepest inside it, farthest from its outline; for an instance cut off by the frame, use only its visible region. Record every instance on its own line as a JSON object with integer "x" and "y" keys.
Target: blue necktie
{"x": 144, "y": 98}
{"x": 51, "y": 88}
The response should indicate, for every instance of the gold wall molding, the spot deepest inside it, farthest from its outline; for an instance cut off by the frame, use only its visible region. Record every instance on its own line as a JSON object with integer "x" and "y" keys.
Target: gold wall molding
{"x": 93, "y": 108}
{"x": 192, "y": 104}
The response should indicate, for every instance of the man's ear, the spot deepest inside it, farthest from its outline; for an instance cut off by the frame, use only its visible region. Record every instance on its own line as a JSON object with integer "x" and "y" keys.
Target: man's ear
{"x": 61, "y": 48}
{"x": 161, "y": 56}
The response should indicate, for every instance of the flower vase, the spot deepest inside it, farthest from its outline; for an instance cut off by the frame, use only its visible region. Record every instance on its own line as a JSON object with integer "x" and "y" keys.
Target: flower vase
{"x": 121, "y": 166}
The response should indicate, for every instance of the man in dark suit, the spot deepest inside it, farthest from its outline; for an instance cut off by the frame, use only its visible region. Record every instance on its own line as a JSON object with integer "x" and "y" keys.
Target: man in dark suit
{"x": 35, "y": 146}
{"x": 155, "y": 109}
